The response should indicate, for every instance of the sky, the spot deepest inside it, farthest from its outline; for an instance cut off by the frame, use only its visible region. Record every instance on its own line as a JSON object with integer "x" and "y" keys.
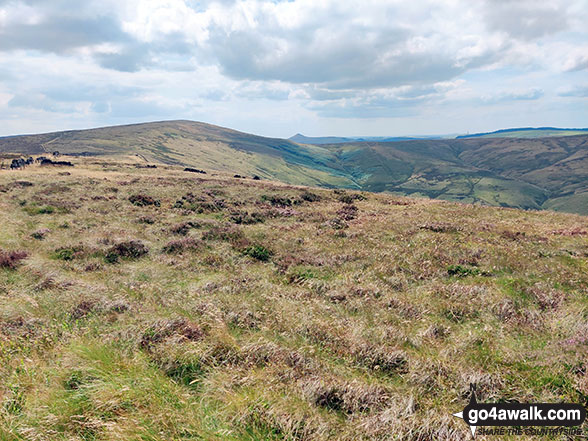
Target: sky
{"x": 276, "y": 68}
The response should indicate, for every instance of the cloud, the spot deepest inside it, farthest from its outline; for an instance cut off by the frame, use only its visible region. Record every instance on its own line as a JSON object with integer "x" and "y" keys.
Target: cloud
{"x": 215, "y": 95}
{"x": 366, "y": 109}
{"x": 320, "y": 56}
{"x": 526, "y": 19}
{"x": 577, "y": 64}
{"x": 298, "y": 61}
{"x": 378, "y": 104}
{"x": 525, "y": 95}
{"x": 40, "y": 102}
{"x": 100, "y": 107}
{"x": 170, "y": 53}
{"x": 575, "y": 91}
{"x": 80, "y": 92}
{"x": 398, "y": 102}
{"x": 140, "y": 108}
{"x": 262, "y": 90}
{"x": 73, "y": 97}
{"x": 528, "y": 95}
{"x": 340, "y": 48}
{"x": 125, "y": 60}
{"x": 60, "y": 34}
{"x": 316, "y": 93}
{"x": 70, "y": 28}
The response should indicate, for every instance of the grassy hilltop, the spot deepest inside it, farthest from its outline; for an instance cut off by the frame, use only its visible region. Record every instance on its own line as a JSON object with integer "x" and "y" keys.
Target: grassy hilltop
{"x": 157, "y": 304}
{"x": 537, "y": 173}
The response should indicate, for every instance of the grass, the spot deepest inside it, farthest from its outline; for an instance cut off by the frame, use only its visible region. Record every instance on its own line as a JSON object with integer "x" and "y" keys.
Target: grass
{"x": 256, "y": 310}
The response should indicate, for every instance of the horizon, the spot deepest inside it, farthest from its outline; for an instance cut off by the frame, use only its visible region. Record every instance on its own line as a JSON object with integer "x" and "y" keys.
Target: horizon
{"x": 279, "y": 68}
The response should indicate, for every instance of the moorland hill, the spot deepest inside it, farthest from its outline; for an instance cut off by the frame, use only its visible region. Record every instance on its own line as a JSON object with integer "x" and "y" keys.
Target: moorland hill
{"x": 528, "y": 173}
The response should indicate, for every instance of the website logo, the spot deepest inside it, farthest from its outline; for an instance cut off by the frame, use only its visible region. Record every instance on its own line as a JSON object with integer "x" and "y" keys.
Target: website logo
{"x": 519, "y": 415}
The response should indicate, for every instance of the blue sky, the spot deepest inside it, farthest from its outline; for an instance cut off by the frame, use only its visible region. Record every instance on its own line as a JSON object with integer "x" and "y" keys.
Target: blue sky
{"x": 330, "y": 67}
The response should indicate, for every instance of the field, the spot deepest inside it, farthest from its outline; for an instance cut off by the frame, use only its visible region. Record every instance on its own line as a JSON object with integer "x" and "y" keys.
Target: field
{"x": 158, "y": 304}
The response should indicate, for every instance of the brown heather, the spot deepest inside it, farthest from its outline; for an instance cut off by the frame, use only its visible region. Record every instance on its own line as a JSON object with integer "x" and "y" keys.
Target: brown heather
{"x": 155, "y": 304}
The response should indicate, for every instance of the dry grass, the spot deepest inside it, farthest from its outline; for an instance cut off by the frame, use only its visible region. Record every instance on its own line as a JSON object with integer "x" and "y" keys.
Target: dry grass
{"x": 219, "y": 308}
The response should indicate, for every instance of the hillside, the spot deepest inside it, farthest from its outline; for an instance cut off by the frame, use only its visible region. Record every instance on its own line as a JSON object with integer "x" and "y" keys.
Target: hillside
{"x": 514, "y": 172}
{"x": 524, "y": 173}
{"x": 192, "y": 144}
{"x": 528, "y": 132}
{"x": 157, "y": 304}
{"x": 320, "y": 140}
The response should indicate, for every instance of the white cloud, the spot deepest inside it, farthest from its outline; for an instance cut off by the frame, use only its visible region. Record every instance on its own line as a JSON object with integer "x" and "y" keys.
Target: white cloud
{"x": 384, "y": 60}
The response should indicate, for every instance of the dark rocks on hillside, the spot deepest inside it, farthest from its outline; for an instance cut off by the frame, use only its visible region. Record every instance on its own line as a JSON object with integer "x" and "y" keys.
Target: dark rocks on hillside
{"x": 56, "y": 163}
{"x": 194, "y": 170}
{"x": 17, "y": 163}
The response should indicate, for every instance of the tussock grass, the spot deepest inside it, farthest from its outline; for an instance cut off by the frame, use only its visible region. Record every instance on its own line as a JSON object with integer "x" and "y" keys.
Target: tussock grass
{"x": 247, "y": 310}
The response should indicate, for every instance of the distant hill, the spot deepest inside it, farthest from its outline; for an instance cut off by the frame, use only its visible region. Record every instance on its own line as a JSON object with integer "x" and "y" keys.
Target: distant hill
{"x": 528, "y": 132}
{"x": 320, "y": 140}
{"x": 529, "y": 173}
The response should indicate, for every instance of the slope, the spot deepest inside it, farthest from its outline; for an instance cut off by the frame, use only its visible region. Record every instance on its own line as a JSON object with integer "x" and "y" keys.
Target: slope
{"x": 191, "y": 143}
{"x": 151, "y": 304}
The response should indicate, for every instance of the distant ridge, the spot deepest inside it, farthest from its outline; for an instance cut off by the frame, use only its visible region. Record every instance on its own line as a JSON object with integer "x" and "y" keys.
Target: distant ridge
{"x": 527, "y": 132}
{"x": 301, "y": 139}
{"x": 322, "y": 140}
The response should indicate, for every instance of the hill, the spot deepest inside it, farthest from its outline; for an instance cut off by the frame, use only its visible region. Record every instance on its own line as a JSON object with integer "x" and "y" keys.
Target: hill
{"x": 528, "y": 132}
{"x": 192, "y": 144}
{"x": 319, "y": 140}
{"x": 523, "y": 173}
{"x": 158, "y": 304}
{"x": 514, "y": 172}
